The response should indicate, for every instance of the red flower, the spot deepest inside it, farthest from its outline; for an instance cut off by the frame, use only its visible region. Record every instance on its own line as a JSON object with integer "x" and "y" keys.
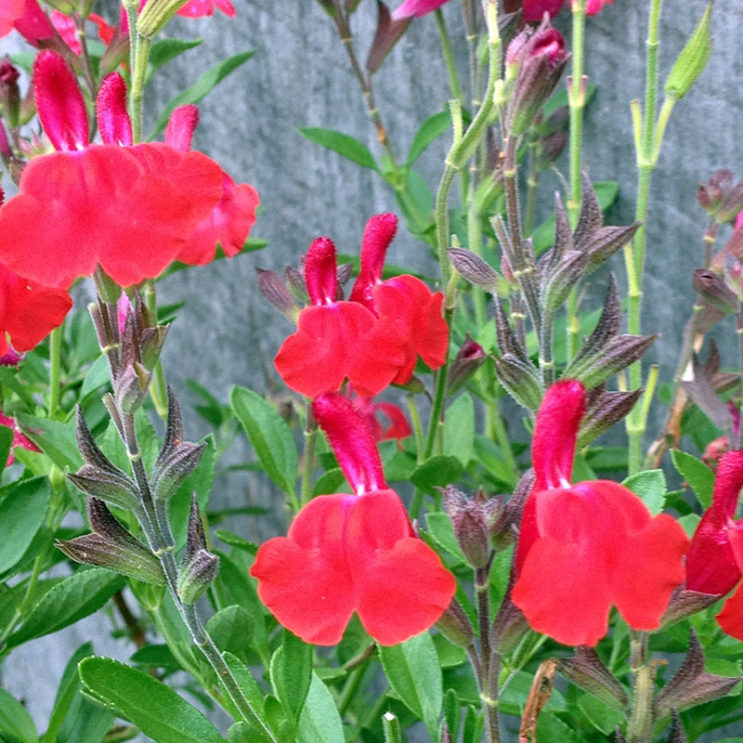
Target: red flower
{"x": 715, "y": 560}
{"x": 10, "y": 12}
{"x": 586, "y": 546}
{"x": 405, "y": 306}
{"x": 352, "y": 553}
{"x": 18, "y": 438}
{"x": 67, "y": 29}
{"x": 416, "y": 8}
{"x": 199, "y": 8}
{"x": 393, "y": 425}
{"x": 335, "y": 340}
{"x": 132, "y": 209}
{"x": 534, "y": 10}
{"x": 28, "y": 311}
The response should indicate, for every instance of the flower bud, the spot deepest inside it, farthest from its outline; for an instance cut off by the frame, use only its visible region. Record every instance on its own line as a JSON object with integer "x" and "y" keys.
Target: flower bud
{"x": 692, "y": 59}
{"x": 113, "y": 487}
{"x": 455, "y": 626}
{"x": 472, "y": 268}
{"x": 711, "y": 194}
{"x": 468, "y": 521}
{"x": 541, "y": 58}
{"x": 130, "y": 388}
{"x": 197, "y": 575}
{"x": 155, "y": 15}
{"x": 602, "y": 413}
{"x": 170, "y": 473}
{"x": 275, "y": 290}
{"x": 10, "y": 94}
{"x": 470, "y": 357}
{"x": 715, "y": 291}
{"x": 732, "y": 204}
{"x": 520, "y": 379}
{"x": 509, "y": 627}
{"x": 152, "y": 342}
{"x": 684, "y": 603}
{"x": 586, "y": 670}
{"x": 691, "y": 685}
{"x": 111, "y": 546}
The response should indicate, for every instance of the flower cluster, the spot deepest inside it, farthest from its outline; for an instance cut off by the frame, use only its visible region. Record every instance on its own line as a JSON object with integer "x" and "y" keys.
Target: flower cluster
{"x": 341, "y": 550}
{"x": 373, "y": 339}
{"x": 77, "y": 207}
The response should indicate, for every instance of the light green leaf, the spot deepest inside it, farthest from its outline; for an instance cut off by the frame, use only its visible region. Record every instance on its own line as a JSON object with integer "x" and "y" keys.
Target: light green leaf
{"x": 432, "y": 128}
{"x": 701, "y": 479}
{"x": 442, "y": 532}
{"x": 413, "y": 671}
{"x": 320, "y": 721}
{"x": 269, "y": 435}
{"x": 97, "y": 376}
{"x": 56, "y": 439}
{"x": 74, "y": 598}
{"x": 343, "y": 144}
{"x": 459, "y": 429}
{"x": 600, "y": 715}
{"x": 163, "y": 50}
{"x": 6, "y": 441}
{"x": 209, "y": 80}
{"x": 436, "y": 472}
{"x": 22, "y": 511}
{"x": 149, "y": 704}
{"x": 651, "y": 487}
{"x": 14, "y": 720}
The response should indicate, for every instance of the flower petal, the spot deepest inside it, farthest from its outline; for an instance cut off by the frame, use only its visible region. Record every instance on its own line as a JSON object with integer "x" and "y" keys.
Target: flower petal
{"x": 730, "y": 618}
{"x": 401, "y": 586}
{"x": 304, "y": 578}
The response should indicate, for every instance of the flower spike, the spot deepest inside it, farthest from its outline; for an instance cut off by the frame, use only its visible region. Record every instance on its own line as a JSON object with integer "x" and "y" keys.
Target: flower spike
{"x": 320, "y": 273}
{"x": 378, "y": 234}
{"x": 113, "y": 119}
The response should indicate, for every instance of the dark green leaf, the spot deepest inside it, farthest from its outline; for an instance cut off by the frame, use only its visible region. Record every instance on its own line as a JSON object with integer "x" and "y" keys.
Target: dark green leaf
{"x": 149, "y": 704}
{"x": 599, "y": 714}
{"x": 269, "y": 435}
{"x": 701, "y": 479}
{"x": 442, "y": 532}
{"x": 57, "y": 440}
{"x": 232, "y": 630}
{"x": 6, "y": 441}
{"x": 209, "y": 80}
{"x": 97, "y": 376}
{"x": 291, "y": 673}
{"x": 155, "y": 656}
{"x": 343, "y": 144}
{"x": 459, "y": 429}
{"x": 413, "y": 671}
{"x": 320, "y": 721}
{"x": 14, "y": 720}
{"x": 438, "y": 471}
{"x": 74, "y": 598}
{"x": 432, "y": 128}
{"x": 22, "y": 511}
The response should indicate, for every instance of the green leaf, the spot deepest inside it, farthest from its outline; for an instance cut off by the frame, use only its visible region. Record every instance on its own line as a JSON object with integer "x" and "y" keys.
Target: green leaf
{"x": 343, "y": 144}
{"x": 163, "y": 50}
{"x": 651, "y": 487}
{"x": 692, "y": 59}
{"x": 269, "y": 435}
{"x": 74, "y": 598}
{"x": 209, "y": 80}
{"x": 57, "y": 440}
{"x": 6, "y": 441}
{"x": 459, "y": 429}
{"x": 14, "y": 720}
{"x": 551, "y": 727}
{"x": 97, "y": 376}
{"x": 232, "y": 629}
{"x": 22, "y": 511}
{"x": 438, "y": 471}
{"x": 320, "y": 721}
{"x": 442, "y": 532}
{"x": 291, "y": 672}
{"x": 490, "y": 457}
{"x": 413, "y": 671}
{"x": 432, "y": 128}
{"x": 701, "y": 479}
{"x": 149, "y": 704}
{"x": 600, "y": 715}
{"x": 329, "y": 482}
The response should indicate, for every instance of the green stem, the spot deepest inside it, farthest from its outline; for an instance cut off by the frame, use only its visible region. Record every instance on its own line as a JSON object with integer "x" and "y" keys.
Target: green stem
{"x": 139, "y": 69}
{"x": 352, "y": 685}
{"x": 640, "y": 726}
{"x": 451, "y": 67}
{"x": 635, "y": 258}
{"x": 576, "y": 103}
{"x": 308, "y": 462}
{"x": 55, "y": 370}
{"x": 489, "y": 661}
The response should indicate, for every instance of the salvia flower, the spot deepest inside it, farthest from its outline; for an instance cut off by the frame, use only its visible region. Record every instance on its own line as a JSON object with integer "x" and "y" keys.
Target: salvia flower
{"x": 200, "y": 8}
{"x": 416, "y": 8}
{"x": 374, "y": 339}
{"x": 534, "y": 10}
{"x": 587, "y": 546}
{"x": 10, "y": 12}
{"x": 130, "y": 208}
{"x": 715, "y": 561}
{"x": 385, "y": 420}
{"x": 352, "y": 553}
